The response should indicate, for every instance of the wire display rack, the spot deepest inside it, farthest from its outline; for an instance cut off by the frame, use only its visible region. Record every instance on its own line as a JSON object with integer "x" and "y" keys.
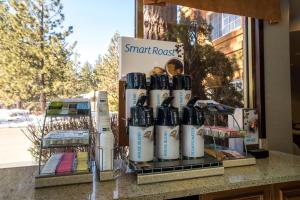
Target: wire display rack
{"x": 70, "y": 145}
{"x": 228, "y": 162}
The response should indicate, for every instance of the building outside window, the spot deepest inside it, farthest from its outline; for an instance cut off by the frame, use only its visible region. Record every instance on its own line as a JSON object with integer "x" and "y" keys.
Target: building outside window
{"x": 223, "y": 24}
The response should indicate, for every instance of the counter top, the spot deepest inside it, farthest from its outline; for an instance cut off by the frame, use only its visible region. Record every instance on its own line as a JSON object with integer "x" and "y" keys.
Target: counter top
{"x": 18, "y": 183}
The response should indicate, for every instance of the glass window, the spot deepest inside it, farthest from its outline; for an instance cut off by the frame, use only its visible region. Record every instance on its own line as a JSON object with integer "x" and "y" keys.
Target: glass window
{"x": 223, "y": 24}
{"x": 229, "y": 23}
{"x": 215, "y": 21}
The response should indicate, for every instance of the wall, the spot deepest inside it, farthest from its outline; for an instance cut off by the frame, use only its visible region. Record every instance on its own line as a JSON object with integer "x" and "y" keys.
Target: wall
{"x": 232, "y": 46}
{"x": 295, "y": 74}
{"x": 295, "y": 57}
{"x": 277, "y": 83}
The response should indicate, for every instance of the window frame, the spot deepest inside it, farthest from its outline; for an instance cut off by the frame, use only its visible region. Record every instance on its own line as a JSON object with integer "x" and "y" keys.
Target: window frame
{"x": 221, "y": 24}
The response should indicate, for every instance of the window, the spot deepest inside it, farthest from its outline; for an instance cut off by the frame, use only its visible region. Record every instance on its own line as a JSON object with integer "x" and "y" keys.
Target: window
{"x": 223, "y": 24}
{"x": 215, "y": 20}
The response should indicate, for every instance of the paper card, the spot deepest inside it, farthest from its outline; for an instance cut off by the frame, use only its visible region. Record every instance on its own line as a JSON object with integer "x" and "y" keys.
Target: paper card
{"x": 150, "y": 56}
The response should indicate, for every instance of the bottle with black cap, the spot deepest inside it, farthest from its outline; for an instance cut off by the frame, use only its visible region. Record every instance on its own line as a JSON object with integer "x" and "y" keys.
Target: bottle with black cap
{"x": 141, "y": 127}
{"x": 135, "y": 88}
{"x": 182, "y": 85}
{"x": 167, "y": 131}
{"x": 159, "y": 91}
{"x": 192, "y": 130}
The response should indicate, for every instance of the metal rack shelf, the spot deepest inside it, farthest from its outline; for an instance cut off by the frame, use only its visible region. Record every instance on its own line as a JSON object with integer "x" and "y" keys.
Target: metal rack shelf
{"x": 230, "y": 162}
{"x": 45, "y": 180}
{"x": 65, "y": 146}
{"x": 68, "y": 115}
{"x": 157, "y": 167}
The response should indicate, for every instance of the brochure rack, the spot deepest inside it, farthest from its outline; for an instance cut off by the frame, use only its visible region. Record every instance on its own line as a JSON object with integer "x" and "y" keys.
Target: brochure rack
{"x": 69, "y": 151}
{"x": 217, "y": 141}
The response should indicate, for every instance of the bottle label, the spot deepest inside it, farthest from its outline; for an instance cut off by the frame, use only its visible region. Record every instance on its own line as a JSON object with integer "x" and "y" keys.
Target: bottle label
{"x": 181, "y": 98}
{"x": 167, "y": 142}
{"x": 102, "y": 112}
{"x": 141, "y": 144}
{"x": 156, "y": 98}
{"x": 193, "y": 141}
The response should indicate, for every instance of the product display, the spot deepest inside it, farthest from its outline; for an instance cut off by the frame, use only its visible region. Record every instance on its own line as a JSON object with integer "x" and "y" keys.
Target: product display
{"x": 141, "y": 145}
{"x": 213, "y": 107}
{"x": 51, "y": 164}
{"x": 135, "y": 88}
{"x": 82, "y": 166}
{"x": 82, "y": 162}
{"x": 214, "y": 153}
{"x": 106, "y": 150}
{"x": 247, "y": 120}
{"x": 192, "y": 130}
{"x": 221, "y": 132}
{"x": 159, "y": 91}
{"x": 66, "y": 164}
{"x": 66, "y": 137}
{"x": 232, "y": 154}
{"x": 182, "y": 93}
{"x": 167, "y": 131}
{"x": 69, "y": 107}
{"x": 105, "y": 138}
{"x": 225, "y": 137}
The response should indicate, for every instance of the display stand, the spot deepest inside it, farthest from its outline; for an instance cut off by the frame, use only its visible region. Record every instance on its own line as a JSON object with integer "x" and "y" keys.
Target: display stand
{"x": 161, "y": 171}
{"x": 64, "y": 145}
{"x": 105, "y": 175}
{"x": 229, "y": 162}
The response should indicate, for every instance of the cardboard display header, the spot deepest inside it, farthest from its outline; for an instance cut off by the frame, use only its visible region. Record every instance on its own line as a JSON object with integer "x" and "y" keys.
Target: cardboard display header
{"x": 150, "y": 57}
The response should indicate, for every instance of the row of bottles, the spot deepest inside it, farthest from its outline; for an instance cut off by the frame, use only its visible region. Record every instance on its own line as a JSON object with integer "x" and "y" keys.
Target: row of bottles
{"x": 159, "y": 90}
{"x": 166, "y": 131}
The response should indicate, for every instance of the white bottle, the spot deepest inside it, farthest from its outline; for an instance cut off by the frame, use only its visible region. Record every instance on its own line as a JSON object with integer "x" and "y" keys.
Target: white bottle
{"x": 106, "y": 151}
{"x": 141, "y": 144}
{"x": 105, "y": 138}
{"x": 167, "y": 131}
{"x": 192, "y": 130}
{"x": 167, "y": 141}
{"x": 159, "y": 91}
{"x": 181, "y": 91}
{"x": 193, "y": 141}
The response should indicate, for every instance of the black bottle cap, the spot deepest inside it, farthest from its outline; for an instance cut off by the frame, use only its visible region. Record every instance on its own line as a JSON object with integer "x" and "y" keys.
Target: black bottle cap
{"x": 136, "y": 80}
{"x": 177, "y": 82}
{"x": 167, "y": 115}
{"x": 159, "y": 82}
{"x": 141, "y": 115}
{"x": 187, "y": 82}
{"x": 192, "y": 115}
{"x": 182, "y": 82}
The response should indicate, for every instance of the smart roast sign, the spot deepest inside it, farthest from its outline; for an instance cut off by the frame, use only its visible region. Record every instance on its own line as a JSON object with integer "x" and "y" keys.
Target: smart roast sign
{"x": 150, "y": 56}
{"x": 132, "y": 49}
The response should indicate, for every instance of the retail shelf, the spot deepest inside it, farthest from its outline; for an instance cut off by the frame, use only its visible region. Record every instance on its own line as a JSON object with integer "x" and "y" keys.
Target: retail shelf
{"x": 58, "y": 141}
{"x": 65, "y": 146}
